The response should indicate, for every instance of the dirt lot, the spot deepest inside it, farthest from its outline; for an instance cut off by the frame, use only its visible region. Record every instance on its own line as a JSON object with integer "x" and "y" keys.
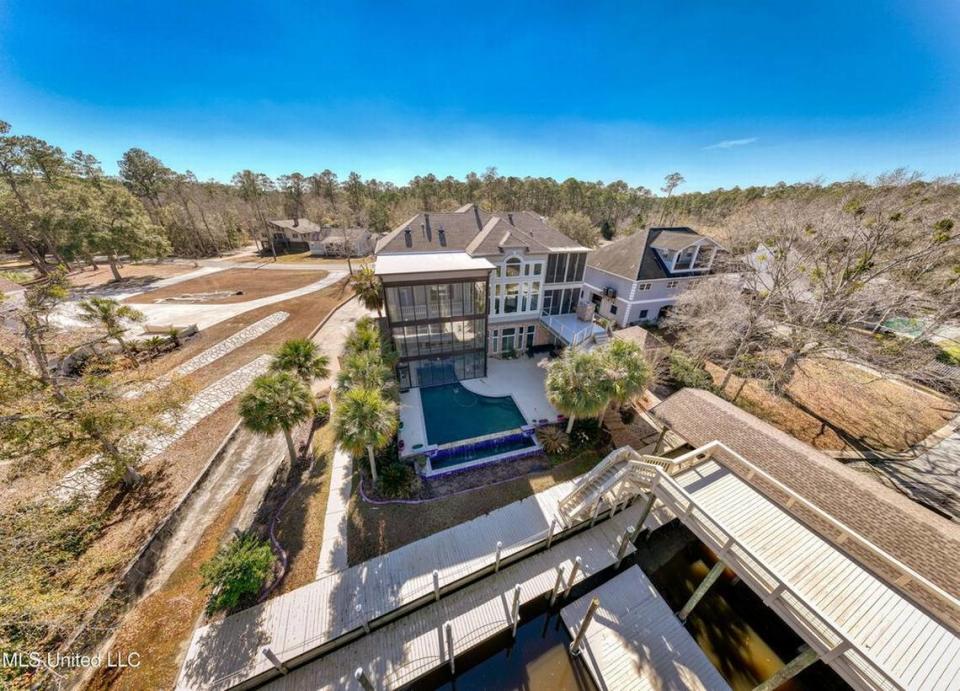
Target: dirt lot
{"x": 375, "y": 530}
{"x": 133, "y": 275}
{"x": 253, "y": 284}
{"x": 837, "y": 406}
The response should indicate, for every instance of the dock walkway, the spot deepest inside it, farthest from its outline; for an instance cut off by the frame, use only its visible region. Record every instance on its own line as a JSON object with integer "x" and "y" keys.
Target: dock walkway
{"x": 870, "y": 634}
{"x": 635, "y": 642}
{"x": 319, "y": 617}
{"x": 405, "y": 650}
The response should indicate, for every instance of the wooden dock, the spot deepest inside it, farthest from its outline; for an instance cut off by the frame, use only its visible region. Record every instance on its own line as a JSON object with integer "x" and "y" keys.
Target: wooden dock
{"x": 401, "y": 652}
{"x": 319, "y": 617}
{"x": 868, "y": 631}
{"x": 635, "y": 641}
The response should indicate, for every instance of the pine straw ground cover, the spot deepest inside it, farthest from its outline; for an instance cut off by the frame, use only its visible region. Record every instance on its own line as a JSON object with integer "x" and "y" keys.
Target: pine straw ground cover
{"x": 839, "y": 406}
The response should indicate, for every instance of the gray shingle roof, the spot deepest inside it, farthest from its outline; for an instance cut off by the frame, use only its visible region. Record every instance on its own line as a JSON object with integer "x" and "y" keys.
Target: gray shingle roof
{"x": 477, "y": 232}
{"x": 303, "y": 225}
{"x": 917, "y": 537}
{"x": 635, "y": 257}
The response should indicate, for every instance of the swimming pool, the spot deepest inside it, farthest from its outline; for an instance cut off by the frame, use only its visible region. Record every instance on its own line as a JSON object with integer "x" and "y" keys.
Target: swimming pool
{"x": 509, "y": 446}
{"x": 452, "y": 413}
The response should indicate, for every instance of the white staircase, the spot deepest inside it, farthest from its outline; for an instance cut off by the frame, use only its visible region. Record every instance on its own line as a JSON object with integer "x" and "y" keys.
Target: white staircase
{"x": 600, "y": 338}
{"x": 623, "y": 473}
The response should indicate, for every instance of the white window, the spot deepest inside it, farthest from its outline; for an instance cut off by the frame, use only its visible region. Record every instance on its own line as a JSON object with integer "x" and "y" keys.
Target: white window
{"x": 643, "y": 286}
{"x": 672, "y": 284}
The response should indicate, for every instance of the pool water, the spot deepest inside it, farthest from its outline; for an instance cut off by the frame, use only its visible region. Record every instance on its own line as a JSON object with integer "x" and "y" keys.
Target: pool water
{"x": 452, "y": 413}
{"x": 494, "y": 447}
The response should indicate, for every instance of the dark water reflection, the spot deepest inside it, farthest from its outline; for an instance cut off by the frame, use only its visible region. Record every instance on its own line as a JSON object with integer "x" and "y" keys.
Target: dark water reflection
{"x": 744, "y": 640}
{"x": 537, "y": 660}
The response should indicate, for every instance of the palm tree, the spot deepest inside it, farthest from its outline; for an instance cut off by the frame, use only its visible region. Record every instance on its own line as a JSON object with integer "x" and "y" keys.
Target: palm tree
{"x": 577, "y": 385}
{"x": 110, "y": 314}
{"x": 626, "y": 370}
{"x": 367, "y": 287}
{"x": 364, "y": 370}
{"x": 302, "y": 357}
{"x": 365, "y": 337}
{"x": 276, "y": 402}
{"x": 364, "y": 419}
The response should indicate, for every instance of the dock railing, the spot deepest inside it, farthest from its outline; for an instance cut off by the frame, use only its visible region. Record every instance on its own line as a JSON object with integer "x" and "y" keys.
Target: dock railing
{"x": 827, "y": 638}
{"x": 362, "y": 620}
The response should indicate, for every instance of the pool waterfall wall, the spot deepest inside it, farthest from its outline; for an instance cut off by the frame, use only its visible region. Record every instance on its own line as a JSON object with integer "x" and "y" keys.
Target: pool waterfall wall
{"x": 491, "y": 442}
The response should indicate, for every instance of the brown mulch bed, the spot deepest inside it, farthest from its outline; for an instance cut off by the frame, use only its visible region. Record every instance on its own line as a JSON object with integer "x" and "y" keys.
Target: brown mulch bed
{"x": 376, "y": 529}
{"x": 837, "y": 406}
{"x": 300, "y": 528}
{"x": 253, "y": 284}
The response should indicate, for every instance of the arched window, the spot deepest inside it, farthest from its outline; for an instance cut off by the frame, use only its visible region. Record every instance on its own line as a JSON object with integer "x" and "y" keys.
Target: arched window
{"x": 513, "y": 267}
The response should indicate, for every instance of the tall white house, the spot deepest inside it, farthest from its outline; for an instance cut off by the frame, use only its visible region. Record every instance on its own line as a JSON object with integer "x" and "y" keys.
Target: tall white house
{"x": 637, "y": 279}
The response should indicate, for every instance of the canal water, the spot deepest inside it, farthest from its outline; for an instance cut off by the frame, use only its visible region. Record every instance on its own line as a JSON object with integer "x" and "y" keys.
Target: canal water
{"x": 744, "y": 640}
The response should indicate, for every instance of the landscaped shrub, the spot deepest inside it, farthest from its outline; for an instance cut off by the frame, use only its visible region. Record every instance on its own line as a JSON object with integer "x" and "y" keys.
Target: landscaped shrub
{"x": 685, "y": 371}
{"x": 398, "y": 481}
{"x": 237, "y": 572}
{"x": 586, "y": 432}
{"x": 321, "y": 411}
{"x": 553, "y": 439}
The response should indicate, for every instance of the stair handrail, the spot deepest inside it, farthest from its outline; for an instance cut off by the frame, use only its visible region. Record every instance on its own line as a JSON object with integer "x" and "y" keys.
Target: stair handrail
{"x": 671, "y": 465}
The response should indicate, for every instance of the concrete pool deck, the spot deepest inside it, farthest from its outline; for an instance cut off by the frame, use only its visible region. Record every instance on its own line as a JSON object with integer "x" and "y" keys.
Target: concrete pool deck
{"x": 522, "y": 379}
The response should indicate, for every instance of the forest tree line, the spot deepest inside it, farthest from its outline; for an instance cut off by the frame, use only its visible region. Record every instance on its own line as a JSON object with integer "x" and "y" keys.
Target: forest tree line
{"x": 62, "y": 209}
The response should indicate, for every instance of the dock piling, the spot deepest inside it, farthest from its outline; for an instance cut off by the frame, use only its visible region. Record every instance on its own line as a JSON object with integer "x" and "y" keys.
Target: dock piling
{"x": 701, "y": 590}
{"x": 625, "y": 540}
{"x": 515, "y": 610}
{"x": 496, "y": 564}
{"x": 275, "y": 661}
{"x": 577, "y": 563}
{"x": 448, "y": 628}
{"x": 436, "y": 585}
{"x": 553, "y": 527}
{"x": 596, "y": 512}
{"x": 582, "y": 632}
{"x": 363, "y": 679}
{"x": 363, "y": 619}
{"x": 557, "y": 585}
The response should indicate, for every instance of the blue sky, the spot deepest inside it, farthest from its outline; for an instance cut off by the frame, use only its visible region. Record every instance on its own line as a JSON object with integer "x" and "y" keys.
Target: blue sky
{"x": 725, "y": 92}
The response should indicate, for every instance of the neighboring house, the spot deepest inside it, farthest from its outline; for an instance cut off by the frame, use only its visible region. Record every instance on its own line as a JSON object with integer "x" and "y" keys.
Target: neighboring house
{"x": 341, "y": 242}
{"x": 461, "y": 285}
{"x": 633, "y": 280}
{"x": 301, "y": 235}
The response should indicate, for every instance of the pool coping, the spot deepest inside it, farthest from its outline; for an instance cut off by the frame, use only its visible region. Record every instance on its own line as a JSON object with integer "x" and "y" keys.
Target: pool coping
{"x": 429, "y": 472}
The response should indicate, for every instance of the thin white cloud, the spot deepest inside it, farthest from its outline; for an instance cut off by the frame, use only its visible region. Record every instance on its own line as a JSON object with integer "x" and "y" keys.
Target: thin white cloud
{"x": 731, "y": 143}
